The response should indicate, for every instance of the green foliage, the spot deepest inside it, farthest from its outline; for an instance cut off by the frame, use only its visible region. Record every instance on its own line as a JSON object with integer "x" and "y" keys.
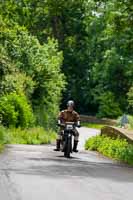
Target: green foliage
{"x": 92, "y": 125}
{"x": 96, "y": 40}
{"x": 3, "y": 137}
{"x": 1, "y": 134}
{"x": 130, "y": 119}
{"x": 1, "y": 147}
{"x": 32, "y": 69}
{"x": 93, "y": 143}
{"x": 130, "y": 100}
{"x": 33, "y": 135}
{"x": 108, "y": 106}
{"x": 118, "y": 149}
{"x": 109, "y": 44}
{"x": 15, "y": 111}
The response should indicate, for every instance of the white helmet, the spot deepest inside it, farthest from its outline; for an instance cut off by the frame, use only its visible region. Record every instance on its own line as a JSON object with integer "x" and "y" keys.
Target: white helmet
{"x": 70, "y": 103}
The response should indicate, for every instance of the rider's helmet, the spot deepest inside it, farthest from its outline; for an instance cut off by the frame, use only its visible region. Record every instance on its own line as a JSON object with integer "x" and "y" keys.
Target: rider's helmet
{"x": 70, "y": 103}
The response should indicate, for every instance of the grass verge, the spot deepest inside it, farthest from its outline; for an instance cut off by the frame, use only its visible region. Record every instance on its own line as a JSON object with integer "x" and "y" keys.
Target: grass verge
{"x": 36, "y": 135}
{"x": 118, "y": 149}
{"x": 1, "y": 147}
{"x": 92, "y": 125}
{"x": 1, "y": 138}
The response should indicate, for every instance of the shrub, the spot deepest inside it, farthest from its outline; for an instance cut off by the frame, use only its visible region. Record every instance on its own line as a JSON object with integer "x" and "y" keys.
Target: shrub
{"x": 3, "y": 137}
{"x": 108, "y": 106}
{"x": 1, "y": 147}
{"x": 15, "y": 111}
{"x": 93, "y": 143}
{"x": 35, "y": 135}
{"x": 130, "y": 100}
{"x": 1, "y": 134}
{"x": 31, "y": 68}
{"x": 118, "y": 149}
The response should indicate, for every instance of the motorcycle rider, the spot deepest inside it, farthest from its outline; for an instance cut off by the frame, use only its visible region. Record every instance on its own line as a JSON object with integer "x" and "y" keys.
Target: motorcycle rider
{"x": 68, "y": 115}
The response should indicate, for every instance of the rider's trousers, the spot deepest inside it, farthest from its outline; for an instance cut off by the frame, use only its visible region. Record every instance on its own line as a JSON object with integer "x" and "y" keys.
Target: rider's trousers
{"x": 76, "y": 134}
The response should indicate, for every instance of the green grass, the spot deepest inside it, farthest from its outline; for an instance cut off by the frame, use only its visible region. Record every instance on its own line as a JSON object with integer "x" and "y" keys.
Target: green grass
{"x": 36, "y": 135}
{"x": 1, "y": 138}
{"x": 91, "y": 125}
{"x": 1, "y": 147}
{"x": 118, "y": 149}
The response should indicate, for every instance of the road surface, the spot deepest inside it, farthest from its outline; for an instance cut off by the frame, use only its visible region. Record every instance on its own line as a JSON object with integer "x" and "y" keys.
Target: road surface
{"x": 38, "y": 173}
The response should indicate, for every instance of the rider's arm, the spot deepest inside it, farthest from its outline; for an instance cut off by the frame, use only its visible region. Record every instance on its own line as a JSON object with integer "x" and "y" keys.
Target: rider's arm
{"x": 60, "y": 118}
{"x": 77, "y": 120}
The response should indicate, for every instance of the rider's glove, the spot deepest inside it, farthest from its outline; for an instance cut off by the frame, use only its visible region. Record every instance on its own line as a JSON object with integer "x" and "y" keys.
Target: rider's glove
{"x": 59, "y": 122}
{"x": 78, "y": 124}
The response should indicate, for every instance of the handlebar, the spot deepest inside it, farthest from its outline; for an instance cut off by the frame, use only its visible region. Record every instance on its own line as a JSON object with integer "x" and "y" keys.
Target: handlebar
{"x": 69, "y": 123}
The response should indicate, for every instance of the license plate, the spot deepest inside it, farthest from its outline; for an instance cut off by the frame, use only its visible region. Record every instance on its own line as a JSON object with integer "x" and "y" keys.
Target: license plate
{"x": 69, "y": 127}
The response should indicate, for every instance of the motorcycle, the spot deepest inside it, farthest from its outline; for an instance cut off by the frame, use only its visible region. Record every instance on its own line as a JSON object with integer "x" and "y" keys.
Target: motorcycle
{"x": 67, "y": 138}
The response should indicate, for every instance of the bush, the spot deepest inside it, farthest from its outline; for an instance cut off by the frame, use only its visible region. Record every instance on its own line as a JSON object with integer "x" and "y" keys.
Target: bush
{"x": 15, "y": 111}
{"x": 93, "y": 143}
{"x": 31, "y": 68}
{"x": 130, "y": 100}
{"x": 118, "y": 149}
{"x": 1, "y": 147}
{"x": 108, "y": 106}
{"x": 3, "y": 137}
{"x": 36, "y": 135}
{"x": 130, "y": 119}
{"x": 1, "y": 134}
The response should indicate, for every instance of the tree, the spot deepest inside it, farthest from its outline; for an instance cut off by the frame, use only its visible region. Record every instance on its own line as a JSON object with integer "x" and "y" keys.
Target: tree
{"x": 130, "y": 100}
{"x": 32, "y": 69}
{"x": 95, "y": 38}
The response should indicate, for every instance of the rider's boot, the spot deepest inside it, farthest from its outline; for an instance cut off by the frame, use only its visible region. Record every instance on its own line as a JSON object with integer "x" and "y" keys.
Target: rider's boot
{"x": 75, "y": 146}
{"x": 57, "y": 145}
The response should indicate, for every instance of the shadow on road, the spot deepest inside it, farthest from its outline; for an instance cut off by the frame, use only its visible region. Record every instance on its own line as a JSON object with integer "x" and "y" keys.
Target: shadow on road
{"x": 65, "y": 168}
{"x": 43, "y": 162}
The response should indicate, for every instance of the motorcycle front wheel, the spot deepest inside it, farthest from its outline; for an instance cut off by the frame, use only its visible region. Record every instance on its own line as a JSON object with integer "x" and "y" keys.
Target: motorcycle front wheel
{"x": 67, "y": 149}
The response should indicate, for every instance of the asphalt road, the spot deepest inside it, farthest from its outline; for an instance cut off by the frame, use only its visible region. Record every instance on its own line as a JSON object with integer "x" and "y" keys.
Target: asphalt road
{"x": 38, "y": 173}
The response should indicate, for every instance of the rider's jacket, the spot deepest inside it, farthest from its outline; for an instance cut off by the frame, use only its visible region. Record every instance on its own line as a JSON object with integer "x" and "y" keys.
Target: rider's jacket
{"x": 68, "y": 116}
